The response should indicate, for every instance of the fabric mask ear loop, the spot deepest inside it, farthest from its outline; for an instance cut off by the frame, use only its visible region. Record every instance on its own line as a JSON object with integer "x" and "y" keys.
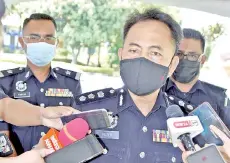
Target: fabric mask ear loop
{"x": 166, "y": 83}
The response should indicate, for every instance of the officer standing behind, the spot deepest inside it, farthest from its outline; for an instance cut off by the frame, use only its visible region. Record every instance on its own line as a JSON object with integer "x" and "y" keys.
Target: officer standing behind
{"x": 185, "y": 87}
{"x": 139, "y": 131}
{"x": 38, "y": 83}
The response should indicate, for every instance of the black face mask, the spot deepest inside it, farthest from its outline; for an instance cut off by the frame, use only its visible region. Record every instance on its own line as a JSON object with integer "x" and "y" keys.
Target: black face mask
{"x": 141, "y": 76}
{"x": 186, "y": 71}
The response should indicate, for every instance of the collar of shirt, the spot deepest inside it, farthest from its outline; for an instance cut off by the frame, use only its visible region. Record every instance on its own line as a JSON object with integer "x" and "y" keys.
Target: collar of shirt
{"x": 129, "y": 103}
{"x": 197, "y": 86}
{"x": 28, "y": 73}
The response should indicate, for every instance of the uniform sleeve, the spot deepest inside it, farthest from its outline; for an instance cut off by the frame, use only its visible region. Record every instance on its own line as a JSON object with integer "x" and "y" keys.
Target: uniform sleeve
{"x": 224, "y": 106}
{"x": 3, "y": 125}
{"x": 2, "y": 94}
{"x": 225, "y": 115}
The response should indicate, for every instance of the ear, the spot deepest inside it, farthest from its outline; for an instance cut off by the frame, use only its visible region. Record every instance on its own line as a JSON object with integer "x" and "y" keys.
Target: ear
{"x": 120, "y": 53}
{"x": 203, "y": 59}
{"x": 173, "y": 65}
{"x": 20, "y": 40}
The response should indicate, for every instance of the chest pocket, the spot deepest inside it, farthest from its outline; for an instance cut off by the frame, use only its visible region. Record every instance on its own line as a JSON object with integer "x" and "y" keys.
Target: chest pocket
{"x": 117, "y": 152}
{"x": 60, "y": 101}
{"x": 165, "y": 153}
{"x": 166, "y": 158}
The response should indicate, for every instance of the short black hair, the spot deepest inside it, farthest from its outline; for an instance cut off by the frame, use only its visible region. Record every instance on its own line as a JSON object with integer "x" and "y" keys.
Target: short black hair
{"x": 155, "y": 14}
{"x": 39, "y": 16}
{"x": 194, "y": 34}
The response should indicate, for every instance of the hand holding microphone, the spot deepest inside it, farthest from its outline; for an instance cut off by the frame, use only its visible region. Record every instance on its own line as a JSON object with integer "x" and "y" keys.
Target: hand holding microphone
{"x": 33, "y": 156}
{"x": 73, "y": 131}
{"x": 182, "y": 129}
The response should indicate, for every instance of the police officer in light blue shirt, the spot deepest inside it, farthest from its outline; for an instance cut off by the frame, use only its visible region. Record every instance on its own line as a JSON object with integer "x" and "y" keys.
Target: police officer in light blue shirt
{"x": 139, "y": 130}
{"x": 38, "y": 83}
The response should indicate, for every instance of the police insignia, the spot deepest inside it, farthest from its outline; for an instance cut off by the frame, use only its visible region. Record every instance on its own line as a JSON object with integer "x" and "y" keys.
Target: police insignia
{"x": 113, "y": 120}
{"x": 20, "y": 86}
{"x": 57, "y": 92}
{"x": 161, "y": 136}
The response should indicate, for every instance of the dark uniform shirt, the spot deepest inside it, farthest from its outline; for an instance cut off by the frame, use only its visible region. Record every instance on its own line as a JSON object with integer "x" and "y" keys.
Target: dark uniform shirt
{"x": 203, "y": 92}
{"x": 57, "y": 90}
{"x": 2, "y": 94}
{"x": 133, "y": 138}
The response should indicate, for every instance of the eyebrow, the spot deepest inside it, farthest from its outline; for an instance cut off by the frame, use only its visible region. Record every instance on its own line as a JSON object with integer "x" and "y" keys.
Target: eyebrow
{"x": 48, "y": 35}
{"x": 156, "y": 47}
{"x": 134, "y": 44}
{"x": 153, "y": 46}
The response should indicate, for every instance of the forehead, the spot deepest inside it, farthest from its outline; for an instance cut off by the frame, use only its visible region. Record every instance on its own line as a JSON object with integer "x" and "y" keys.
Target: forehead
{"x": 149, "y": 32}
{"x": 190, "y": 45}
{"x": 40, "y": 27}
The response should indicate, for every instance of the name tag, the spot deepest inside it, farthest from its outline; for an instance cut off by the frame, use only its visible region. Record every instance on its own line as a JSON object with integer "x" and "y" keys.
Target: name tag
{"x": 103, "y": 134}
{"x": 21, "y": 94}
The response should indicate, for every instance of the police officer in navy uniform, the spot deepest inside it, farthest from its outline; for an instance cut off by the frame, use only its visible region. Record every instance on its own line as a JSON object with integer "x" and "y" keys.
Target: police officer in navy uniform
{"x": 38, "y": 83}
{"x": 184, "y": 86}
{"x": 139, "y": 131}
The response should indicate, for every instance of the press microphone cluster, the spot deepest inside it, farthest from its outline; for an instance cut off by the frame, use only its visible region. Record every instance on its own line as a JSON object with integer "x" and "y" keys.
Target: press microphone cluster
{"x": 72, "y": 144}
{"x": 182, "y": 129}
{"x": 73, "y": 131}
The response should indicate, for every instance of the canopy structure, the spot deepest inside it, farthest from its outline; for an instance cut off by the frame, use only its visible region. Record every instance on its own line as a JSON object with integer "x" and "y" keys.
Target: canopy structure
{"x": 219, "y": 7}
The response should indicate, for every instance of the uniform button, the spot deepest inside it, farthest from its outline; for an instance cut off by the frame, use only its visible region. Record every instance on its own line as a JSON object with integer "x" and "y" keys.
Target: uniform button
{"x": 60, "y": 103}
{"x": 42, "y": 105}
{"x": 173, "y": 159}
{"x": 105, "y": 151}
{"x": 144, "y": 129}
{"x": 142, "y": 154}
{"x": 42, "y": 90}
{"x": 42, "y": 134}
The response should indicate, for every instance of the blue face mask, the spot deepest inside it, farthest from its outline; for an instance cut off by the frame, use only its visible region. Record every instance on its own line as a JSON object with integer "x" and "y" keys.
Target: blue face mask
{"x": 40, "y": 54}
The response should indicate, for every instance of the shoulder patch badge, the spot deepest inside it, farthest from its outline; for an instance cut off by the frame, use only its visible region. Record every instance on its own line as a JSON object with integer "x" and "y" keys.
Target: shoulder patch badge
{"x": 68, "y": 73}
{"x": 11, "y": 72}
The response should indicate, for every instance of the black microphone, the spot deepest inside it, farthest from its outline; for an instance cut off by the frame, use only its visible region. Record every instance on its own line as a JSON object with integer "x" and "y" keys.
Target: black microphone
{"x": 174, "y": 111}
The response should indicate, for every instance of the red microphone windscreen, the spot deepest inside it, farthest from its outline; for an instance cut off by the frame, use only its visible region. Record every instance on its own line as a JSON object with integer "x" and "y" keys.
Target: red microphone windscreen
{"x": 73, "y": 131}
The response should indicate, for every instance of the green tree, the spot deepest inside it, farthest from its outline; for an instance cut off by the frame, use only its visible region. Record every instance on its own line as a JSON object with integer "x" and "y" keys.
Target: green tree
{"x": 212, "y": 33}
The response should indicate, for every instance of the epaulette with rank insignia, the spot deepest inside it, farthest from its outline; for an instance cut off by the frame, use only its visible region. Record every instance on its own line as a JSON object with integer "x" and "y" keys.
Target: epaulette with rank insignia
{"x": 214, "y": 88}
{"x": 217, "y": 93}
{"x": 11, "y": 72}
{"x": 68, "y": 73}
{"x": 95, "y": 96}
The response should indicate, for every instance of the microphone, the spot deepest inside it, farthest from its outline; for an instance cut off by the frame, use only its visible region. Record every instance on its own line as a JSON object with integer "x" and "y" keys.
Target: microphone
{"x": 51, "y": 140}
{"x": 71, "y": 132}
{"x": 182, "y": 129}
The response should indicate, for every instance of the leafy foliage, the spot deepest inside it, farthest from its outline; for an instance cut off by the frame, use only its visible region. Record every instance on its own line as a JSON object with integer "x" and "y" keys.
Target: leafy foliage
{"x": 212, "y": 33}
